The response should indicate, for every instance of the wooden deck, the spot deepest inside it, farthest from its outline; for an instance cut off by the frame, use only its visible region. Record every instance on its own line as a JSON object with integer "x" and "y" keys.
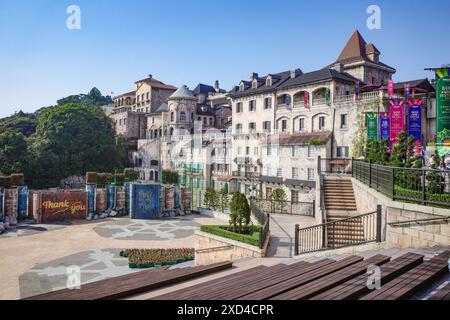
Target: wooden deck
{"x": 326, "y": 279}
{"x": 131, "y": 284}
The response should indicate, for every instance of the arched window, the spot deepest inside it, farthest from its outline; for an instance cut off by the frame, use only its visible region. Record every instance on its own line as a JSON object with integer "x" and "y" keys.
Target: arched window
{"x": 182, "y": 116}
{"x": 151, "y": 175}
{"x": 192, "y": 116}
{"x": 171, "y": 131}
{"x": 172, "y": 116}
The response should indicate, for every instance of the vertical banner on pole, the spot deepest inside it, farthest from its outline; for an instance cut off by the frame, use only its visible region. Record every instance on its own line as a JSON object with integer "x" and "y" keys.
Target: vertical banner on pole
{"x": 384, "y": 126}
{"x": 90, "y": 188}
{"x": 356, "y": 90}
{"x": 415, "y": 119}
{"x": 22, "y": 194}
{"x": 443, "y": 113}
{"x": 397, "y": 118}
{"x": 1, "y": 203}
{"x": 391, "y": 89}
{"x": 306, "y": 99}
{"x": 372, "y": 127}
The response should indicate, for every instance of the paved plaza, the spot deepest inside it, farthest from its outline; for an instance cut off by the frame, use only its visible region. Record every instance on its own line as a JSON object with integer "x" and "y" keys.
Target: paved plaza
{"x": 35, "y": 258}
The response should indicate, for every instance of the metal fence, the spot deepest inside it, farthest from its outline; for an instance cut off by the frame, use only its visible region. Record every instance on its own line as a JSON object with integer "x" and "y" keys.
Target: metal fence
{"x": 351, "y": 231}
{"x": 423, "y": 186}
{"x": 336, "y": 165}
{"x": 263, "y": 219}
{"x": 286, "y": 207}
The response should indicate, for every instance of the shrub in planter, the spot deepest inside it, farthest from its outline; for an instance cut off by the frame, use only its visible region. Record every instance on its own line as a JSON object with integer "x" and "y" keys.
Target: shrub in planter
{"x": 131, "y": 175}
{"x": 17, "y": 179}
{"x": 5, "y": 181}
{"x": 101, "y": 180}
{"x": 119, "y": 179}
{"x": 109, "y": 178}
{"x": 91, "y": 177}
{"x": 249, "y": 234}
{"x": 148, "y": 258}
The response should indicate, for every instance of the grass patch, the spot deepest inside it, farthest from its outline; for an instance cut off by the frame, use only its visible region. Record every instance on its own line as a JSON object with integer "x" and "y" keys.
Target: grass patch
{"x": 250, "y": 235}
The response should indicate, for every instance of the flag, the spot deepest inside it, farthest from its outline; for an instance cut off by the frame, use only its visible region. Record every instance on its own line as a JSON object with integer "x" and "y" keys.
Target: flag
{"x": 306, "y": 99}
{"x": 391, "y": 89}
{"x": 356, "y": 90}
{"x": 407, "y": 91}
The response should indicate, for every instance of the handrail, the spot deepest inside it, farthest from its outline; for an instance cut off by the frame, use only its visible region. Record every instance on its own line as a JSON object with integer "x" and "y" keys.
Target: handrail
{"x": 351, "y": 231}
{"x": 445, "y": 220}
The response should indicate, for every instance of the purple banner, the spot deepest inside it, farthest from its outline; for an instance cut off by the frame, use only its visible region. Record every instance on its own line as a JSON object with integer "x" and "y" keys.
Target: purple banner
{"x": 415, "y": 119}
{"x": 384, "y": 126}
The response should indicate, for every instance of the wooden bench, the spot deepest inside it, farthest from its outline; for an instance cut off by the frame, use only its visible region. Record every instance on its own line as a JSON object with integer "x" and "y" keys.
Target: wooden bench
{"x": 356, "y": 287}
{"x": 408, "y": 283}
{"x": 131, "y": 284}
{"x": 313, "y": 274}
{"x": 252, "y": 284}
{"x": 227, "y": 285}
{"x": 329, "y": 281}
{"x": 442, "y": 294}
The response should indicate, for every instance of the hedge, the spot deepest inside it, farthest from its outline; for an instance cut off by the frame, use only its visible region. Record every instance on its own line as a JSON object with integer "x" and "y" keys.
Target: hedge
{"x": 223, "y": 231}
{"x": 14, "y": 180}
{"x": 417, "y": 195}
{"x": 119, "y": 179}
{"x": 5, "y": 181}
{"x": 131, "y": 174}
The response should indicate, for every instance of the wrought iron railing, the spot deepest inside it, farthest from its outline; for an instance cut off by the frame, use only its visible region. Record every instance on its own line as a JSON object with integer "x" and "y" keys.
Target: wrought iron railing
{"x": 335, "y": 165}
{"x": 423, "y": 186}
{"x": 286, "y": 207}
{"x": 263, "y": 219}
{"x": 347, "y": 232}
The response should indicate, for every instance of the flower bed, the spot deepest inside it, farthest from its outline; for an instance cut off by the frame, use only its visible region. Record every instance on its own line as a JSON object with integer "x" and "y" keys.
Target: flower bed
{"x": 149, "y": 258}
{"x": 250, "y": 235}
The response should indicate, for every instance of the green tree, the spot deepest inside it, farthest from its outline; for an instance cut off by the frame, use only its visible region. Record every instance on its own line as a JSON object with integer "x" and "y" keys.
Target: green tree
{"x": 24, "y": 123}
{"x": 13, "y": 152}
{"x": 278, "y": 199}
{"x": 211, "y": 199}
{"x": 70, "y": 140}
{"x": 240, "y": 213}
{"x": 223, "y": 200}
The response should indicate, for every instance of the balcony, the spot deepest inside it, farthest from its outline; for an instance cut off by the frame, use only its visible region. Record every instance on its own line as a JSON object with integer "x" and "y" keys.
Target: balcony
{"x": 246, "y": 174}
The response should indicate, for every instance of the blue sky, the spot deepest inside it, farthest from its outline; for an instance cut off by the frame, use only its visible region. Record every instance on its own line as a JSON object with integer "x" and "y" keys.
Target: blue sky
{"x": 192, "y": 41}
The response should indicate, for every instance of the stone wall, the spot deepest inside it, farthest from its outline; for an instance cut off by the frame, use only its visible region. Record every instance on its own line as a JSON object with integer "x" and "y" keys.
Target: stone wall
{"x": 214, "y": 249}
{"x": 428, "y": 235}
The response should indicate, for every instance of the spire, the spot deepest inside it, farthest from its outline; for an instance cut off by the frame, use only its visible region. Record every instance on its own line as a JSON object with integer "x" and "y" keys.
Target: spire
{"x": 355, "y": 48}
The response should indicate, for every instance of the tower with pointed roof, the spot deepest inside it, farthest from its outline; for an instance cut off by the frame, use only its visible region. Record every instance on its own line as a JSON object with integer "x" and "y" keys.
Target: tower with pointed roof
{"x": 362, "y": 60}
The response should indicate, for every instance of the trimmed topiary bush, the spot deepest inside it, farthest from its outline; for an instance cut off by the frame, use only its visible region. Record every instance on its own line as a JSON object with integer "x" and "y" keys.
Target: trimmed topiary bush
{"x": 119, "y": 179}
{"x": 131, "y": 175}
{"x": 91, "y": 177}
{"x": 17, "y": 179}
{"x": 5, "y": 181}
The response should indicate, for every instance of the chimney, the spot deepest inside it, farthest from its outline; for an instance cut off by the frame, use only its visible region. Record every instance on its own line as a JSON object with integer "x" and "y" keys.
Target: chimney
{"x": 150, "y": 76}
{"x": 293, "y": 74}
{"x": 339, "y": 67}
{"x": 253, "y": 76}
{"x": 216, "y": 86}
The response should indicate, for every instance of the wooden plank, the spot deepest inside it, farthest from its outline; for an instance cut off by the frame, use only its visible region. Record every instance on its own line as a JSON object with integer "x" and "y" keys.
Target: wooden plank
{"x": 236, "y": 291}
{"x": 124, "y": 286}
{"x": 231, "y": 286}
{"x": 297, "y": 281}
{"x": 322, "y": 284}
{"x": 412, "y": 281}
{"x": 188, "y": 292}
{"x": 442, "y": 294}
{"x": 357, "y": 287}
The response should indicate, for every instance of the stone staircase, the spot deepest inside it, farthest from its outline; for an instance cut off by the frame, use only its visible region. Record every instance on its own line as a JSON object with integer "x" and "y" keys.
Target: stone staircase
{"x": 340, "y": 204}
{"x": 339, "y": 196}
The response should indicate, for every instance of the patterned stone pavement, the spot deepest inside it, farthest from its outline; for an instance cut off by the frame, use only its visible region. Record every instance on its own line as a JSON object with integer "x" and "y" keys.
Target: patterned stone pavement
{"x": 38, "y": 262}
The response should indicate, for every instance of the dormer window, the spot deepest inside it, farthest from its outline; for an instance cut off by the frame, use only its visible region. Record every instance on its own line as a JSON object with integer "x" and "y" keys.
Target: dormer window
{"x": 255, "y": 84}
{"x": 241, "y": 87}
{"x": 269, "y": 81}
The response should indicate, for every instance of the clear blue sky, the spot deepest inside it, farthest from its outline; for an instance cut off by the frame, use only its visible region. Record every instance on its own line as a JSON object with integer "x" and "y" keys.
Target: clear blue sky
{"x": 192, "y": 41}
